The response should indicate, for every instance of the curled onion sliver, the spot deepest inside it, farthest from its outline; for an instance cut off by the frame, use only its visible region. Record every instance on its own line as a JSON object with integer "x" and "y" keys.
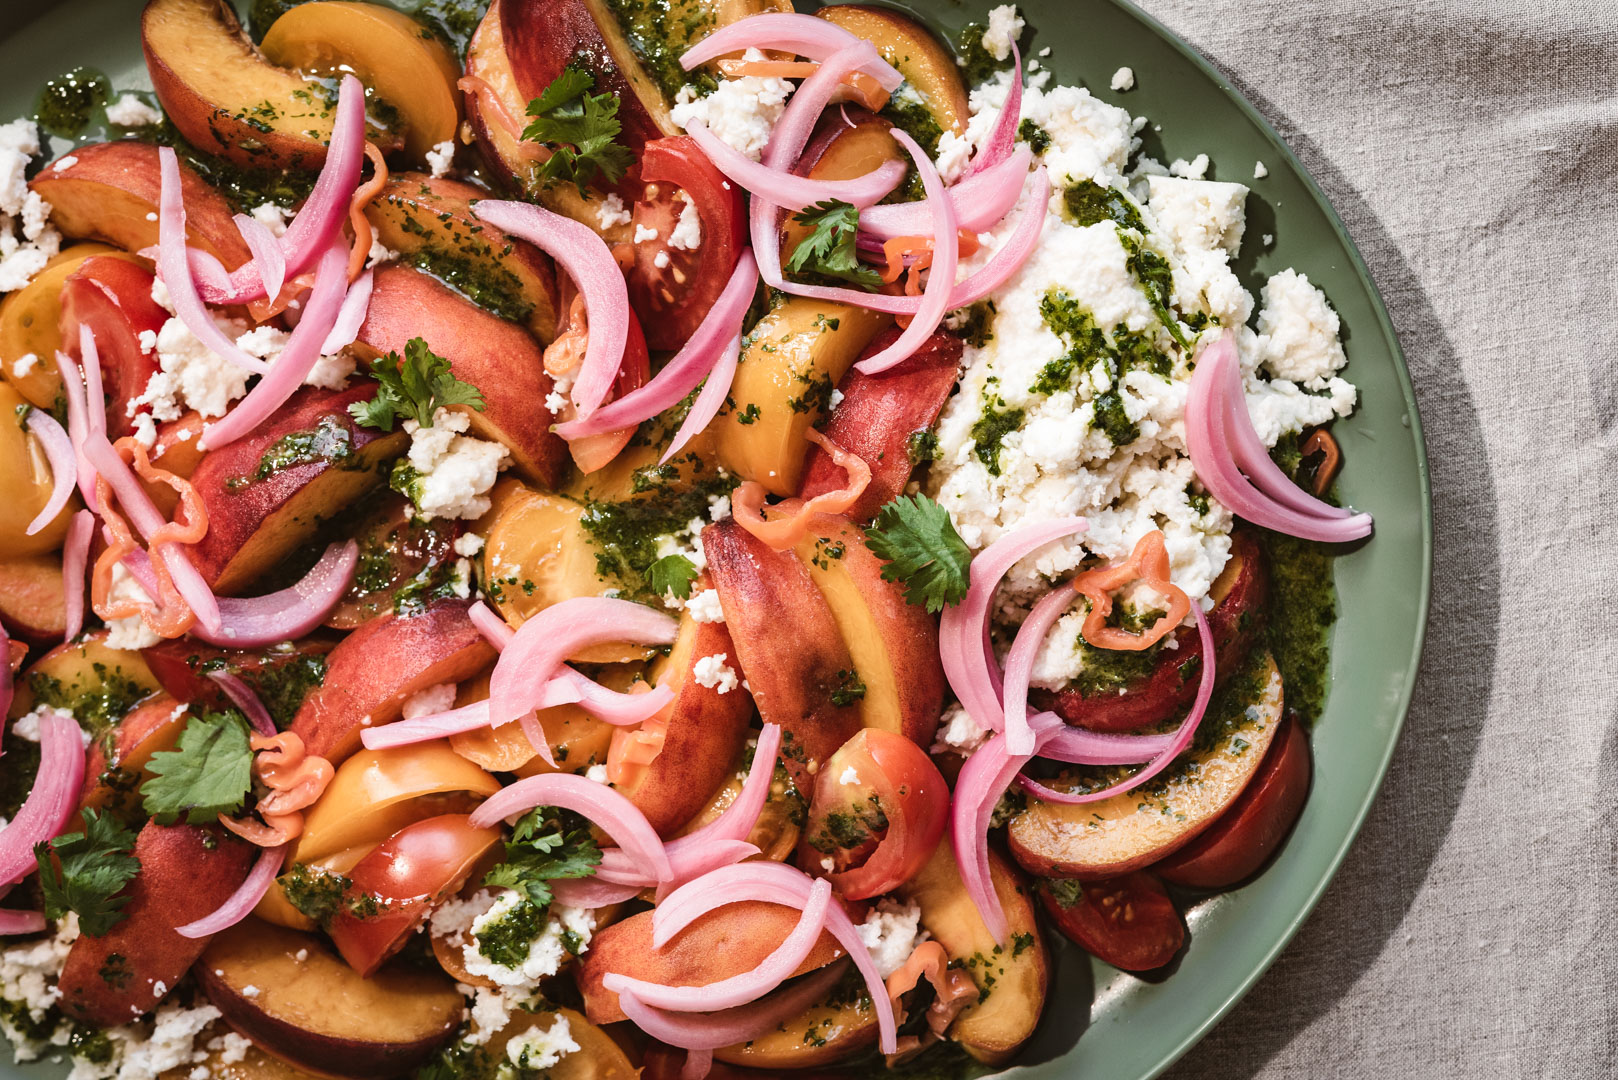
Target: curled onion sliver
{"x": 941, "y": 278}
{"x": 78, "y": 426}
{"x": 982, "y": 780}
{"x": 748, "y": 986}
{"x": 52, "y": 800}
{"x": 21, "y": 922}
{"x": 351, "y": 316}
{"x": 703, "y": 1033}
{"x": 244, "y": 699}
{"x": 249, "y": 622}
{"x": 538, "y": 649}
{"x": 1215, "y": 407}
{"x": 774, "y": 883}
{"x": 592, "y": 892}
{"x": 788, "y": 190}
{"x": 711, "y": 398}
{"x": 980, "y": 201}
{"x": 75, "y": 559}
{"x": 270, "y": 261}
{"x": 491, "y": 626}
{"x": 686, "y": 369}
{"x": 611, "y": 812}
{"x": 1025, "y": 648}
{"x": 1081, "y": 747}
{"x": 588, "y": 261}
{"x": 243, "y": 900}
{"x": 63, "y": 461}
{"x": 804, "y": 35}
{"x": 1004, "y": 136}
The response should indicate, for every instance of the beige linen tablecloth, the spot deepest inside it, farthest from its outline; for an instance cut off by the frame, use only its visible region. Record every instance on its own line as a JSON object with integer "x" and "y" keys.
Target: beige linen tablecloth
{"x": 1472, "y": 148}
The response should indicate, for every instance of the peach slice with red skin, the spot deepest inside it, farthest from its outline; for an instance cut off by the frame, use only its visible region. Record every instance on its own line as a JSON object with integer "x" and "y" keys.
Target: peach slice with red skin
{"x": 30, "y": 324}
{"x": 86, "y": 669}
{"x": 187, "y": 872}
{"x": 926, "y": 63}
{"x": 115, "y": 766}
{"x": 32, "y": 599}
{"x": 181, "y": 666}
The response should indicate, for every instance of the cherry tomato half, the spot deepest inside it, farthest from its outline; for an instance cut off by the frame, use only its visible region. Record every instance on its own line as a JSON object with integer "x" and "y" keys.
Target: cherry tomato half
{"x": 672, "y": 288}
{"x": 878, "y": 812}
{"x": 394, "y": 887}
{"x": 1129, "y": 921}
{"x": 113, "y": 297}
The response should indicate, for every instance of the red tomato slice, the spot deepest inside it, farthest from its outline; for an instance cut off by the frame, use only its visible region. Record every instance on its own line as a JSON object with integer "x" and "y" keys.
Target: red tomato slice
{"x": 1129, "y": 921}
{"x": 672, "y": 288}
{"x": 878, "y": 812}
{"x": 394, "y": 887}
{"x": 113, "y": 297}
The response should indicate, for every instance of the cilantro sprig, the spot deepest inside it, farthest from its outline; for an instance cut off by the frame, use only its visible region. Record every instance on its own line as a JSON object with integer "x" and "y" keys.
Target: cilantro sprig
{"x": 413, "y": 389}
{"x": 672, "y": 574}
{"x": 829, "y": 250}
{"x": 543, "y": 848}
{"x": 581, "y": 129}
{"x": 923, "y": 551}
{"x": 209, "y": 773}
{"x": 88, "y": 872}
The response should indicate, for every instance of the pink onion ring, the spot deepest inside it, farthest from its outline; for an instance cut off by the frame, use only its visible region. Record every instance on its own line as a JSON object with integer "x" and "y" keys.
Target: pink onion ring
{"x": 982, "y": 780}
{"x": 1182, "y": 735}
{"x": 351, "y": 316}
{"x": 611, "y": 812}
{"x": 963, "y": 632}
{"x": 21, "y": 922}
{"x": 680, "y": 375}
{"x": 1210, "y": 414}
{"x": 940, "y": 279}
{"x": 248, "y": 702}
{"x": 702, "y": 1033}
{"x": 52, "y": 800}
{"x": 789, "y": 190}
{"x": 78, "y": 426}
{"x": 63, "y": 461}
{"x": 1004, "y": 136}
{"x": 243, "y": 900}
{"x": 1020, "y": 665}
{"x": 537, "y": 649}
{"x": 588, "y": 261}
{"x": 248, "y": 622}
{"x": 715, "y": 389}
{"x": 592, "y": 892}
{"x": 296, "y": 360}
{"x": 740, "y": 989}
{"x": 268, "y": 258}
{"x": 980, "y": 201}
{"x": 491, "y": 626}
{"x": 803, "y": 35}
{"x": 775, "y": 883}
{"x": 1081, "y": 747}
{"x": 75, "y": 559}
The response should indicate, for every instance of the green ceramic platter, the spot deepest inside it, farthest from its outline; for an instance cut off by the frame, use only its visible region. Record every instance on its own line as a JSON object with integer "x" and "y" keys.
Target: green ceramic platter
{"x": 1101, "y": 1024}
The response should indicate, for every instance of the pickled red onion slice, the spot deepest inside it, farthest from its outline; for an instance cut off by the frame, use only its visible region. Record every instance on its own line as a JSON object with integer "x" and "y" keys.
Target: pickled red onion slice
{"x": 241, "y": 902}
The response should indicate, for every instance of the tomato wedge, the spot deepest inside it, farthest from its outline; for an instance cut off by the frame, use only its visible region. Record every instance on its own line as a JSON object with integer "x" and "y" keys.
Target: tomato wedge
{"x": 113, "y": 297}
{"x": 672, "y": 288}
{"x": 1129, "y": 921}
{"x": 878, "y": 812}
{"x": 394, "y": 887}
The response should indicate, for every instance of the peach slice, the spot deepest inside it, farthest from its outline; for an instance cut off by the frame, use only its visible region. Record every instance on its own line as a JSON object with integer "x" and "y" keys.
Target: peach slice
{"x": 178, "y": 450}
{"x": 431, "y": 221}
{"x": 408, "y": 70}
{"x": 254, "y": 1064}
{"x": 500, "y": 358}
{"x": 32, "y": 600}
{"x": 1018, "y": 971}
{"x": 926, "y": 63}
{"x": 791, "y": 650}
{"x": 299, "y": 1001}
{"x": 836, "y": 1028}
{"x": 600, "y": 1056}
{"x": 109, "y": 191}
{"x": 727, "y": 941}
{"x": 117, "y": 765}
{"x": 186, "y": 872}
{"x": 267, "y": 494}
{"x": 29, "y": 325}
{"x": 1132, "y": 830}
{"x": 793, "y": 359}
{"x": 281, "y": 676}
{"x": 894, "y": 645}
{"x": 222, "y": 94}
{"x": 841, "y": 149}
{"x": 371, "y": 673}
{"x": 98, "y": 684}
{"x": 25, "y": 485}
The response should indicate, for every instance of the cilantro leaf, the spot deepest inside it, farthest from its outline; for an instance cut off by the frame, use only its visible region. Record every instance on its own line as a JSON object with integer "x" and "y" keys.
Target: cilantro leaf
{"x": 88, "y": 872}
{"x": 542, "y": 849}
{"x": 914, "y": 534}
{"x": 672, "y": 574}
{"x": 413, "y": 389}
{"x": 829, "y": 250}
{"x": 208, "y": 774}
{"x": 581, "y": 129}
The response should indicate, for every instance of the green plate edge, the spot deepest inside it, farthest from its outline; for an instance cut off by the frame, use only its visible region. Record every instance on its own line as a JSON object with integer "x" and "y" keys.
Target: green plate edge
{"x": 1138, "y": 1028}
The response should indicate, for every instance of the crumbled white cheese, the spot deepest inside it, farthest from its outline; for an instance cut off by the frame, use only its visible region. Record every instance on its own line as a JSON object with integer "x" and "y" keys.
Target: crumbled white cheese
{"x": 454, "y": 471}
{"x": 1195, "y": 169}
{"x": 144, "y": 1051}
{"x": 24, "y": 364}
{"x": 1005, "y": 27}
{"x": 191, "y": 375}
{"x": 28, "y": 972}
{"x": 467, "y": 544}
{"x": 272, "y": 217}
{"x": 491, "y": 1011}
{"x": 130, "y": 111}
{"x": 538, "y": 1050}
{"x": 958, "y": 733}
{"x": 741, "y": 112}
{"x": 612, "y": 212}
{"x": 851, "y": 775}
{"x": 434, "y": 699}
{"x": 687, "y": 232}
{"x": 597, "y": 773}
{"x": 644, "y": 233}
{"x": 547, "y": 951}
{"x": 891, "y": 931}
{"x": 704, "y": 607}
{"x": 1200, "y": 215}
{"x": 27, "y": 241}
{"x": 834, "y": 399}
{"x": 1298, "y": 332}
{"x": 130, "y": 632}
{"x": 661, "y": 260}
{"x": 715, "y": 674}
{"x": 441, "y": 157}
{"x": 718, "y": 507}
{"x": 232, "y": 1047}
{"x": 954, "y": 154}
{"x": 380, "y": 253}
{"x": 1259, "y": 170}
{"x": 145, "y": 430}
{"x": 1123, "y": 79}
